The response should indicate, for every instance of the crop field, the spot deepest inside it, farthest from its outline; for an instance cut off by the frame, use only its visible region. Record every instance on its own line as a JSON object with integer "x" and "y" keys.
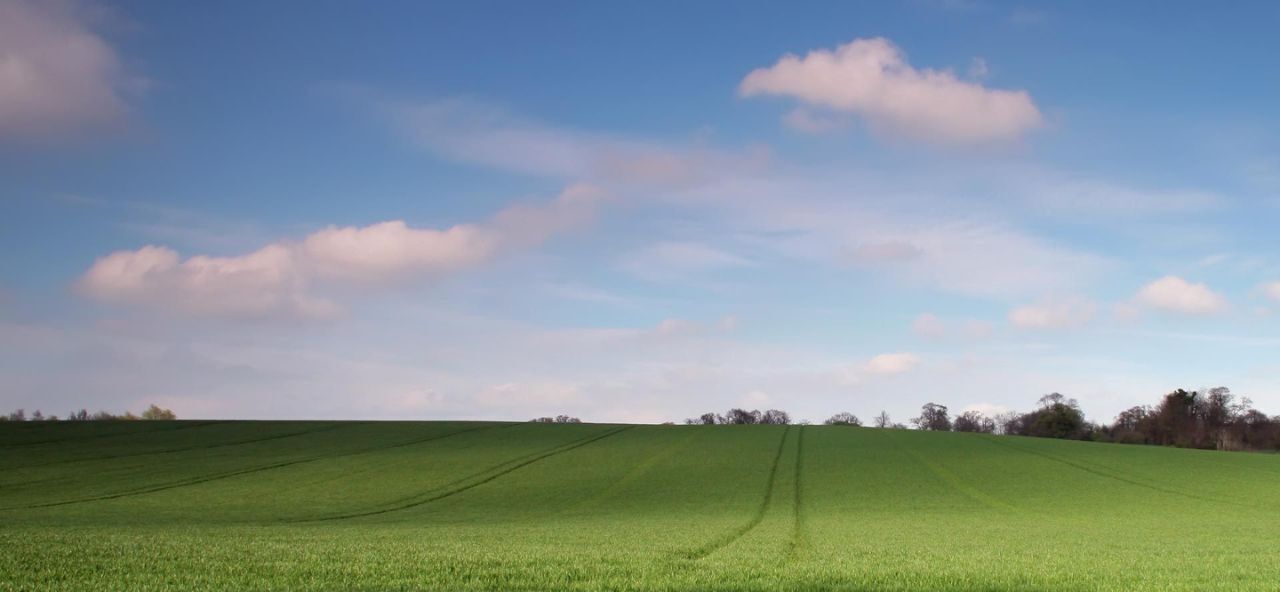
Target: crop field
{"x": 503, "y": 506}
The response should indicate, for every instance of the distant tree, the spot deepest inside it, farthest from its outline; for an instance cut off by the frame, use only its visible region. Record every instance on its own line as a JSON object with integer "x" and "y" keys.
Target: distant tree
{"x": 1006, "y": 422}
{"x": 843, "y": 418}
{"x": 556, "y": 419}
{"x": 18, "y": 415}
{"x": 37, "y": 416}
{"x": 704, "y": 419}
{"x": 741, "y": 416}
{"x": 775, "y": 417}
{"x": 1057, "y": 417}
{"x": 882, "y": 421}
{"x": 155, "y": 412}
{"x": 933, "y": 417}
{"x": 81, "y": 415}
{"x": 974, "y": 421}
{"x": 668, "y": 423}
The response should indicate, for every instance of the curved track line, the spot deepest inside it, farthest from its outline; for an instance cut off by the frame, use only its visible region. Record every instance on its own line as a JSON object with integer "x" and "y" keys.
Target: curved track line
{"x": 183, "y": 425}
{"x": 456, "y": 490}
{"x": 1109, "y": 475}
{"x": 238, "y": 472}
{"x": 412, "y": 498}
{"x": 737, "y": 533}
{"x": 189, "y": 448}
{"x": 798, "y": 542}
{"x": 954, "y": 480}
{"x": 637, "y": 471}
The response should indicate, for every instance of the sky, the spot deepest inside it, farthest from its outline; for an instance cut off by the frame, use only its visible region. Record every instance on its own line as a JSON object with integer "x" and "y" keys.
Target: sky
{"x": 635, "y": 212}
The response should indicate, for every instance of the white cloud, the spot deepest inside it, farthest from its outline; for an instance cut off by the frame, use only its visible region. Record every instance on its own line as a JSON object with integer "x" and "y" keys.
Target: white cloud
{"x": 390, "y": 249}
{"x": 895, "y": 363}
{"x": 883, "y": 365}
{"x": 929, "y": 325}
{"x": 278, "y": 279}
{"x": 872, "y": 78}
{"x": 1174, "y": 294}
{"x": 1054, "y": 313}
{"x": 266, "y": 282}
{"x": 1272, "y": 290}
{"x": 56, "y": 76}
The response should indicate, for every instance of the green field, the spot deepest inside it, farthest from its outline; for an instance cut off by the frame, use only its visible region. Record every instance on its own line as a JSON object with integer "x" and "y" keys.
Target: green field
{"x": 494, "y": 506}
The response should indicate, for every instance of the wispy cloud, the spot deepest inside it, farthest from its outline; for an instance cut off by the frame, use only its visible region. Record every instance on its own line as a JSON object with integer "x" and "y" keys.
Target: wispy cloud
{"x": 478, "y": 132}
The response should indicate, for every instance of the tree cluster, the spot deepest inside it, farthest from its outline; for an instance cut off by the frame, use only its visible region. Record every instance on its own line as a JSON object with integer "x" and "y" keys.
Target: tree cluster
{"x": 737, "y": 416}
{"x": 154, "y": 412}
{"x": 1213, "y": 419}
{"x": 556, "y": 419}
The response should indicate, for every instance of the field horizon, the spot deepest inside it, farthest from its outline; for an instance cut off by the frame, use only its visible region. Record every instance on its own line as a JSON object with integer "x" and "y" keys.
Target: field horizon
{"x": 521, "y": 506}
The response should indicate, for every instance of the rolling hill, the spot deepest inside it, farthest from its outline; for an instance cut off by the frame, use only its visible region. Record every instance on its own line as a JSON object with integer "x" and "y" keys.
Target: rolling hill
{"x": 522, "y": 506}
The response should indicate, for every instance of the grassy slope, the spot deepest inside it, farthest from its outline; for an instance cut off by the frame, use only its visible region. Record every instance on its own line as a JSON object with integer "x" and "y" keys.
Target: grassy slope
{"x": 459, "y": 505}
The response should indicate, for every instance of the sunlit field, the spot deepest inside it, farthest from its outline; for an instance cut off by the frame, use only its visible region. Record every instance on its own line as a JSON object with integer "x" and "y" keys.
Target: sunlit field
{"x": 485, "y": 506}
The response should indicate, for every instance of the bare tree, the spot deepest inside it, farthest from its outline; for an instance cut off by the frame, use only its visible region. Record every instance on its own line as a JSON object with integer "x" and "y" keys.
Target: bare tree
{"x": 1006, "y": 422}
{"x": 974, "y": 421}
{"x": 843, "y": 418}
{"x": 882, "y": 421}
{"x": 775, "y": 417}
{"x": 741, "y": 416}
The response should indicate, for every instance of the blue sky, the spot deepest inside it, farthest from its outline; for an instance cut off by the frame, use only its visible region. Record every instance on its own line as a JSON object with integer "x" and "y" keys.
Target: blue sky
{"x": 635, "y": 212}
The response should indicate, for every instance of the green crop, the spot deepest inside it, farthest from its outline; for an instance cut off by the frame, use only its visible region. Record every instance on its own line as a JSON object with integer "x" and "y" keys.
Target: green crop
{"x": 500, "y": 506}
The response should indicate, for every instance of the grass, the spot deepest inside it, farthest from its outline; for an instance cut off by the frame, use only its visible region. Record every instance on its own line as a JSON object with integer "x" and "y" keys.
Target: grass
{"x": 496, "y": 506}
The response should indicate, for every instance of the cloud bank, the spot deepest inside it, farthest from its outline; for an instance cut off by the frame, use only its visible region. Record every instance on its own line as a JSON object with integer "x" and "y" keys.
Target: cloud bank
{"x": 871, "y": 78}
{"x": 280, "y": 279}
{"x": 56, "y": 76}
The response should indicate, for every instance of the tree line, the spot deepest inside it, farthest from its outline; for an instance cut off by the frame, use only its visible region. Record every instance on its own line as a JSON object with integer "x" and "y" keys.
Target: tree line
{"x": 1211, "y": 419}
{"x": 154, "y": 412}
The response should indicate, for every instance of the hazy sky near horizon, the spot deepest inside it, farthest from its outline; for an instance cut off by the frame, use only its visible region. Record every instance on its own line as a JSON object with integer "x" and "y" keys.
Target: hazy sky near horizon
{"x": 635, "y": 211}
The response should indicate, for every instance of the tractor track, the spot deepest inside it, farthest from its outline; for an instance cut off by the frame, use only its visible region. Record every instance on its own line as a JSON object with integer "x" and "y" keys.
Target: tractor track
{"x": 461, "y": 485}
{"x": 246, "y": 471}
{"x": 187, "y": 448}
{"x": 756, "y": 519}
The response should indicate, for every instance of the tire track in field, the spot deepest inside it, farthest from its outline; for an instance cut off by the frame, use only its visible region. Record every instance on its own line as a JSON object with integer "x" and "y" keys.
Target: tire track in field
{"x": 954, "y": 480}
{"x": 756, "y": 519}
{"x": 184, "y": 425}
{"x": 1106, "y": 473}
{"x": 458, "y": 486}
{"x": 639, "y": 470}
{"x": 798, "y": 543}
{"x": 246, "y": 471}
{"x": 188, "y": 448}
